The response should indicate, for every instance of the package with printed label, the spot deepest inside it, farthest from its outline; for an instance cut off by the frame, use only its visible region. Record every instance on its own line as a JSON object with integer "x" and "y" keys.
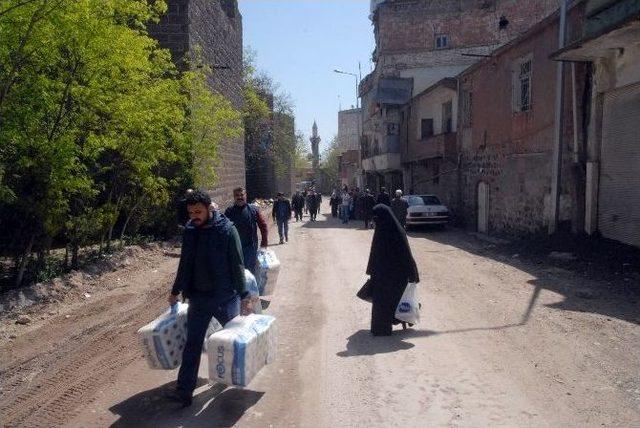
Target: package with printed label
{"x": 238, "y": 352}
{"x": 267, "y": 271}
{"x": 254, "y": 292}
{"x": 164, "y": 338}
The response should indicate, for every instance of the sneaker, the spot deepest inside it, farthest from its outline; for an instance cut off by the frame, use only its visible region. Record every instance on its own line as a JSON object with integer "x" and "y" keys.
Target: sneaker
{"x": 184, "y": 398}
{"x": 281, "y": 241}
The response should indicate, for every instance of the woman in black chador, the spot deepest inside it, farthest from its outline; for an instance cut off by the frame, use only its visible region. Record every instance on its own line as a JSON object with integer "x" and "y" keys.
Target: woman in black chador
{"x": 391, "y": 266}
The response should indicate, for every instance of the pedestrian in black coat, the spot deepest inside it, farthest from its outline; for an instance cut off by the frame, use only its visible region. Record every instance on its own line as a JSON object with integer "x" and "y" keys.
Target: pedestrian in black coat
{"x": 368, "y": 202}
{"x": 383, "y": 197}
{"x": 391, "y": 266}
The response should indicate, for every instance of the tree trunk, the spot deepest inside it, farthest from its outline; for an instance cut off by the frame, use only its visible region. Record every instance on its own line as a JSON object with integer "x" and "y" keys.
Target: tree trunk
{"x": 129, "y": 215}
{"x": 25, "y": 260}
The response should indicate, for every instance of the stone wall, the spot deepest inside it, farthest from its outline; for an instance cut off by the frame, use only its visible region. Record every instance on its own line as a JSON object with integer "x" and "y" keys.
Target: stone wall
{"x": 213, "y": 28}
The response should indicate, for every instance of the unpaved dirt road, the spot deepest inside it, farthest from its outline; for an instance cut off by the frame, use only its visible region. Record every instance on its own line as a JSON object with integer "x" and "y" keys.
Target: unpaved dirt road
{"x": 501, "y": 343}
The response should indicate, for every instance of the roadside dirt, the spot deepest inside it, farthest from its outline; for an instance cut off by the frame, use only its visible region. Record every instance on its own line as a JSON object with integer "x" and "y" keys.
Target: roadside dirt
{"x": 504, "y": 341}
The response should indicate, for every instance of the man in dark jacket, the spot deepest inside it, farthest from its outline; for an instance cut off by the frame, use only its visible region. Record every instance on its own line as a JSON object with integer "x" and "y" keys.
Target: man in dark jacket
{"x": 297, "y": 203}
{"x": 248, "y": 219}
{"x": 400, "y": 207}
{"x": 383, "y": 197}
{"x": 282, "y": 214}
{"x": 368, "y": 202}
{"x": 211, "y": 276}
{"x": 312, "y": 205}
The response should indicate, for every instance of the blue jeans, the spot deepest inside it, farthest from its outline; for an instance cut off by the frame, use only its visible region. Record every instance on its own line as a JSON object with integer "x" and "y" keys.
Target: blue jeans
{"x": 250, "y": 257}
{"x": 201, "y": 309}
{"x": 344, "y": 213}
{"x": 283, "y": 229}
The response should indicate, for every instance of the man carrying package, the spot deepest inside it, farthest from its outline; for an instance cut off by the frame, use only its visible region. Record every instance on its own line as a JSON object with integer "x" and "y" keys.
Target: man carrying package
{"x": 211, "y": 276}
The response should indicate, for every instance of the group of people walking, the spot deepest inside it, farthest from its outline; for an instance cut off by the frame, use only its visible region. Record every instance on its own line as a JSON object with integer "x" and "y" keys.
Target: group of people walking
{"x": 357, "y": 205}
{"x": 308, "y": 201}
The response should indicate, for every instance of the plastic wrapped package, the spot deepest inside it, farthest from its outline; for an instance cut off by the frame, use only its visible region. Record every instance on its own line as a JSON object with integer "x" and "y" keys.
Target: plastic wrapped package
{"x": 163, "y": 339}
{"x": 238, "y": 352}
{"x": 254, "y": 292}
{"x": 267, "y": 271}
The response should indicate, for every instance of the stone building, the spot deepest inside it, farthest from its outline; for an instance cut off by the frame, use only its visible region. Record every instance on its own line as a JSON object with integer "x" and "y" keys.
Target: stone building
{"x": 214, "y": 29}
{"x": 610, "y": 158}
{"x": 419, "y": 43}
{"x": 505, "y": 133}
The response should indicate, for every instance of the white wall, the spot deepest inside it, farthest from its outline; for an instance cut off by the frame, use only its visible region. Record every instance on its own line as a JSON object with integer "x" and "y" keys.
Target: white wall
{"x": 430, "y": 107}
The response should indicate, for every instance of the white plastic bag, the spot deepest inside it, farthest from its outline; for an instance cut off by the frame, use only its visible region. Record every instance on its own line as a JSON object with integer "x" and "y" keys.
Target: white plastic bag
{"x": 267, "y": 271}
{"x": 408, "y": 309}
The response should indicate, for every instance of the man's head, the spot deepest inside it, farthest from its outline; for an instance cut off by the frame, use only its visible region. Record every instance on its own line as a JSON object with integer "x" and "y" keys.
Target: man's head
{"x": 198, "y": 203}
{"x": 398, "y": 193}
{"x": 280, "y": 196}
{"x": 240, "y": 196}
{"x": 383, "y": 189}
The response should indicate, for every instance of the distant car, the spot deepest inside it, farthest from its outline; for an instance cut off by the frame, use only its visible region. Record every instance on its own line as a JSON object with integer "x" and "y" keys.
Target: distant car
{"x": 426, "y": 209}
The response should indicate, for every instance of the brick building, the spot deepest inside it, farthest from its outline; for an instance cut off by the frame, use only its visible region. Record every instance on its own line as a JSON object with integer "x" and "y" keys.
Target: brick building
{"x": 419, "y": 43}
{"x": 505, "y": 135}
{"x": 215, "y": 28}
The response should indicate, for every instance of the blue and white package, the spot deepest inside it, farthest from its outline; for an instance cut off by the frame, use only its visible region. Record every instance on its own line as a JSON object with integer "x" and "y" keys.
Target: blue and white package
{"x": 254, "y": 292}
{"x": 238, "y": 352}
{"x": 267, "y": 271}
{"x": 163, "y": 339}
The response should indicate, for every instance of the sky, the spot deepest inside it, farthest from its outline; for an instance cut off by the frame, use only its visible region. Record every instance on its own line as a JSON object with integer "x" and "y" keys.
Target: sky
{"x": 300, "y": 42}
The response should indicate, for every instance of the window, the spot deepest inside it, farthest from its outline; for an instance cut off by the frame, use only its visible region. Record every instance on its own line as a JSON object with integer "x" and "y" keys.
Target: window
{"x": 467, "y": 110}
{"x": 447, "y": 117}
{"x": 426, "y": 128}
{"x": 522, "y": 84}
{"x": 442, "y": 41}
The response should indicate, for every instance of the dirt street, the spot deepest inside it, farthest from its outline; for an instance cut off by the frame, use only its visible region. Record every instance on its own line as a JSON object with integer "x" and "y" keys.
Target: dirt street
{"x": 502, "y": 342}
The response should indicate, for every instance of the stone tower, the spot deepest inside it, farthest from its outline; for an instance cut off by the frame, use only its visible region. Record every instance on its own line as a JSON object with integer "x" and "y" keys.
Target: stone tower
{"x": 315, "y": 151}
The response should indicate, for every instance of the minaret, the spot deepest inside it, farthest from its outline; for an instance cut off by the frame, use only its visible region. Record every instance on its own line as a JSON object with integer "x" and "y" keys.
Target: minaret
{"x": 315, "y": 150}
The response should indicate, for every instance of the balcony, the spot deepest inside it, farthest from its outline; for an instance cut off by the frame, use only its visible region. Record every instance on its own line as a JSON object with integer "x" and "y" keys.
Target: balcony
{"x": 383, "y": 162}
{"x": 437, "y": 146}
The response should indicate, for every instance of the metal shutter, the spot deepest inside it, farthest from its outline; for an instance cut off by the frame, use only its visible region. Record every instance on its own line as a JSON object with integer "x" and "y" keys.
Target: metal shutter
{"x": 619, "y": 192}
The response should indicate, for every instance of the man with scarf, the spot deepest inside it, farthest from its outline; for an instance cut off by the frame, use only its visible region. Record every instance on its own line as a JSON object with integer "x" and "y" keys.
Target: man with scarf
{"x": 211, "y": 277}
{"x": 391, "y": 266}
{"x": 248, "y": 219}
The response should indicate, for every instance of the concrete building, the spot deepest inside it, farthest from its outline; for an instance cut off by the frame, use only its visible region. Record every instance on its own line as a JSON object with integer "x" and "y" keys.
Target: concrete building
{"x": 429, "y": 153}
{"x": 610, "y": 44}
{"x": 349, "y": 129}
{"x": 419, "y": 43}
{"x": 213, "y": 27}
{"x": 506, "y": 123}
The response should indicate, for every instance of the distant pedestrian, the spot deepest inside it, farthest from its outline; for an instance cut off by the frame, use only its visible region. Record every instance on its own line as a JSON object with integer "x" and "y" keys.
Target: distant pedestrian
{"x": 211, "y": 276}
{"x": 345, "y": 207}
{"x": 335, "y": 202}
{"x": 383, "y": 197}
{"x": 297, "y": 203}
{"x": 248, "y": 219}
{"x": 312, "y": 205}
{"x": 368, "y": 202}
{"x": 282, "y": 214}
{"x": 400, "y": 207}
{"x": 391, "y": 266}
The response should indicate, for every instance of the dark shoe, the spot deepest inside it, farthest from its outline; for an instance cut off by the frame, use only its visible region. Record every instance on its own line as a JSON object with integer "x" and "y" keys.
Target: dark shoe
{"x": 281, "y": 241}
{"x": 184, "y": 398}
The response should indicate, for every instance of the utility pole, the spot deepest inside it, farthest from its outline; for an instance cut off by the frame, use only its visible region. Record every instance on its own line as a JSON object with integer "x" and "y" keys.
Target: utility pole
{"x": 556, "y": 171}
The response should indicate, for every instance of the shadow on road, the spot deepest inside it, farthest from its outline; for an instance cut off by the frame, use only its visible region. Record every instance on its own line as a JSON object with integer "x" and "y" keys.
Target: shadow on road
{"x": 326, "y": 221}
{"x": 218, "y": 406}
{"x": 602, "y": 280}
{"x": 364, "y": 343}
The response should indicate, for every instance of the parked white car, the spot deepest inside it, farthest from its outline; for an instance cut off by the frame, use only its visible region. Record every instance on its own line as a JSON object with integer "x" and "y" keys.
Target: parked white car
{"x": 426, "y": 209}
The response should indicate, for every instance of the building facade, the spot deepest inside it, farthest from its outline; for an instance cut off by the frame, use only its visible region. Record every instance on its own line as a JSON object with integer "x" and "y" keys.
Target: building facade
{"x": 212, "y": 30}
{"x": 610, "y": 44}
{"x": 419, "y": 43}
{"x": 506, "y": 125}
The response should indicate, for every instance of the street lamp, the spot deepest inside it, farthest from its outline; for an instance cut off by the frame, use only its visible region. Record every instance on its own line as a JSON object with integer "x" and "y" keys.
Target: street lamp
{"x": 350, "y": 74}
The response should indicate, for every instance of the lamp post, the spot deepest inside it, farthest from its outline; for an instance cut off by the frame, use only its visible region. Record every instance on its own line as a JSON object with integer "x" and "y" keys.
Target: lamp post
{"x": 350, "y": 74}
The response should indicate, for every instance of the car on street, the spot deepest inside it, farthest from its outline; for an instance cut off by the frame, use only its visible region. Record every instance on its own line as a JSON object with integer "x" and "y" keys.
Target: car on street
{"x": 426, "y": 210}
